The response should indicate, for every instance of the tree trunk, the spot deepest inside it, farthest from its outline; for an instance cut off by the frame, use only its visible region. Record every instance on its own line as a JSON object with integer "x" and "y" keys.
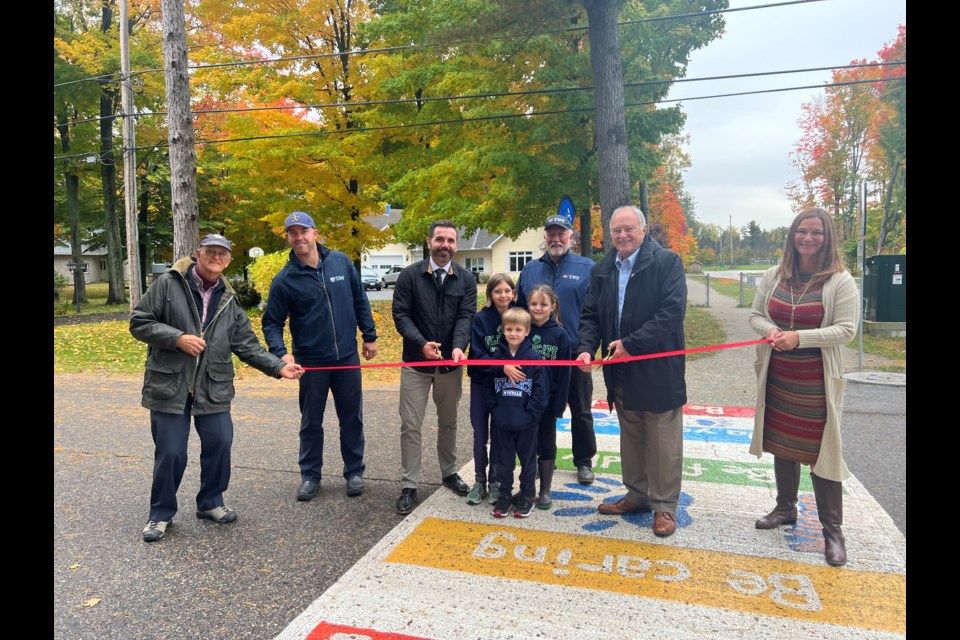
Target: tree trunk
{"x": 586, "y": 232}
{"x": 73, "y": 213}
{"x": 183, "y": 159}
{"x": 644, "y": 199}
{"x": 886, "y": 222}
{"x": 611, "y": 126}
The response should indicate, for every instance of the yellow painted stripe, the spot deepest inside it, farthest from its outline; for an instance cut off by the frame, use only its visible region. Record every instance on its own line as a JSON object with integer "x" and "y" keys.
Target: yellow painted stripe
{"x": 726, "y": 580}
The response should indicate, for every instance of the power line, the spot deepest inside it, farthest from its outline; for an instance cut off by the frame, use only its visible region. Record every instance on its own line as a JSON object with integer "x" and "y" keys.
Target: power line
{"x": 515, "y": 115}
{"x": 102, "y": 77}
{"x": 506, "y": 94}
{"x": 499, "y": 117}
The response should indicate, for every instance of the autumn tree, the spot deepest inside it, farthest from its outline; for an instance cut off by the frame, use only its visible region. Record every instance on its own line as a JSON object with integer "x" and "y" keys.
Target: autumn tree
{"x": 87, "y": 65}
{"x": 669, "y": 224}
{"x": 299, "y": 117}
{"x": 499, "y": 161}
{"x": 855, "y": 134}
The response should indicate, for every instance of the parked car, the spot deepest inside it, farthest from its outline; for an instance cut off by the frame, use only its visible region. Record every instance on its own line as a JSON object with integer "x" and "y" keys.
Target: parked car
{"x": 390, "y": 277}
{"x": 370, "y": 279}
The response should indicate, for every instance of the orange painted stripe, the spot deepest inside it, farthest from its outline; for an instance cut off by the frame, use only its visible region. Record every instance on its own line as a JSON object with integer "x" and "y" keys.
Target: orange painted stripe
{"x": 738, "y": 582}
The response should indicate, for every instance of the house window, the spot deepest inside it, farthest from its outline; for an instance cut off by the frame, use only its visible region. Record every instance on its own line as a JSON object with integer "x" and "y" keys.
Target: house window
{"x": 516, "y": 259}
{"x": 103, "y": 265}
{"x": 473, "y": 264}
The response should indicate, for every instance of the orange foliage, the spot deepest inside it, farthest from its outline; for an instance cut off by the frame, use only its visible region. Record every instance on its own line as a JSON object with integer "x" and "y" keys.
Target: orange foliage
{"x": 665, "y": 209}
{"x": 596, "y": 227}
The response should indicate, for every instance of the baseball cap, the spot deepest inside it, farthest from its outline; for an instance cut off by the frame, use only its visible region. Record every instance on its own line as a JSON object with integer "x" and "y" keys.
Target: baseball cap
{"x": 558, "y": 221}
{"x": 299, "y": 218}
{"x": 216, "y": 240}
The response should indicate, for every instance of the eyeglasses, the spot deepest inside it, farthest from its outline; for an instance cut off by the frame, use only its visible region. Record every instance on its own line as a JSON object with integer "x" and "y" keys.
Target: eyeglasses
{"x": 214, "y": 253}
{"x": 812, "y": 234}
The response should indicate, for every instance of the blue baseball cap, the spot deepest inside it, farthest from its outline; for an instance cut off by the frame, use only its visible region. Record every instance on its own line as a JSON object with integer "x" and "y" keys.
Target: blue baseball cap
{"x": 298, "y": 218}
{"x": 558, "y": 221}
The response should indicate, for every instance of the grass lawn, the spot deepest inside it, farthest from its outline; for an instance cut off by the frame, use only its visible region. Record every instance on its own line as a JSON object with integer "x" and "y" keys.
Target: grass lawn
{"x": 96, "y": 302}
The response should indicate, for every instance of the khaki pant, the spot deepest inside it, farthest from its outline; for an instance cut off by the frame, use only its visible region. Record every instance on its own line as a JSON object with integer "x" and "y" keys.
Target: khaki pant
{"x": 414, "y": 392}
{"x": 651, "y": 455}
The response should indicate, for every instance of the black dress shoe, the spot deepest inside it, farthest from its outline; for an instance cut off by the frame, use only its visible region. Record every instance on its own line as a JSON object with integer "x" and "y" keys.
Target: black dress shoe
{"x": 308, "y": 490}
{"x": 408, "y": 498}
{"x": 456, "y": 484}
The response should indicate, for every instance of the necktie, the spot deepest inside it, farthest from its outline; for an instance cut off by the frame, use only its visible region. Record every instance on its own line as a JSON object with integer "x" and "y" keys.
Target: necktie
{"x": 438, "y": 274}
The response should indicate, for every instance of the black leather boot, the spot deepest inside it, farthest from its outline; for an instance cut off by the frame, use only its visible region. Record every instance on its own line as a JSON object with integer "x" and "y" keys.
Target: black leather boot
{"x": 544, "y": 500}
{"x": 829, "y": 495}
{"x": 787, "y": 474}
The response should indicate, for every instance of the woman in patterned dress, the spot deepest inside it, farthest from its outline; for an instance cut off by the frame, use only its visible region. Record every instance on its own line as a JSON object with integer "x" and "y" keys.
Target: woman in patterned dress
{"x": 808, "y": 307}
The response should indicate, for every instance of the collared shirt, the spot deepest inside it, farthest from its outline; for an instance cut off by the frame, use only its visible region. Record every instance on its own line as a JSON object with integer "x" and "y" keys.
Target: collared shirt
{"x": 206, "y": 292}
{"x": 434, "y": 266}
{"x": 625, "y": 266}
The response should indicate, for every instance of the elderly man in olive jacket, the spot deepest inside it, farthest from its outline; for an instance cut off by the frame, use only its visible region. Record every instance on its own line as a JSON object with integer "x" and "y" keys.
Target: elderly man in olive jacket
{"x": 192, "y": 322}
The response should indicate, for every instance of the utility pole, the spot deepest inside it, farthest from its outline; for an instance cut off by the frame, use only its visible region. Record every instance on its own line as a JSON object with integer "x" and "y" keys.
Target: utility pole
{"x": 129, "y": 160}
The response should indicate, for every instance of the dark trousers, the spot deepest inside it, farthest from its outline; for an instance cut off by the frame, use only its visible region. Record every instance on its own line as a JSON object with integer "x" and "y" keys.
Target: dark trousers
{"x": 480, "y": 398}
{"x": 170, "y": 432}
{"x": 347, "y": 388}
{"x": 547, "y": 437}
{"x": 513, "y": 444}
{"x": 580, "y": 398}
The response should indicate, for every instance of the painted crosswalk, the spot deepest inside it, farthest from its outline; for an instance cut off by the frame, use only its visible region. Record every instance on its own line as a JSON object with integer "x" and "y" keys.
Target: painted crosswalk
{"x": 450, "y": 570}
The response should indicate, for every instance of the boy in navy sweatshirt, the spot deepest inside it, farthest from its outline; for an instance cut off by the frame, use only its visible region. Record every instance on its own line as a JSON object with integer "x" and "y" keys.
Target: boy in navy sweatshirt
{"x": 516, "y": 410}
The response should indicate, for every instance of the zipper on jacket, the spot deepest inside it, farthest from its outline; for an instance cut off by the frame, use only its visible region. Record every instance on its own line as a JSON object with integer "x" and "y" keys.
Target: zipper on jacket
{"x": 333, "y": 322}
{"x": 196, "y": 313}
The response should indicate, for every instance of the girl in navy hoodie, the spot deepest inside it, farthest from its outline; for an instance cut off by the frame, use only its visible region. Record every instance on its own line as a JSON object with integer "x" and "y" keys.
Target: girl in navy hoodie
{"x": 552, "y": 342}
{"x": 485, "y": 340}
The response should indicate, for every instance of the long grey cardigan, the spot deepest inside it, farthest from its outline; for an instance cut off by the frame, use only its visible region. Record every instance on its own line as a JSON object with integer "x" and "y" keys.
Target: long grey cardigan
{"x": 841, "y": 316}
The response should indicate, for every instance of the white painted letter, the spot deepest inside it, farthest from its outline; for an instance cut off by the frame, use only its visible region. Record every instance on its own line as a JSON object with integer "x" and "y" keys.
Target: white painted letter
{"x": 804, "y": 592}
{"x": 632, "y": 566}
{"x": 486, "y": 548}
{"x": 750, "y": 583}
{"x": 538, "y": 555}
{"x": 682, "y": 572}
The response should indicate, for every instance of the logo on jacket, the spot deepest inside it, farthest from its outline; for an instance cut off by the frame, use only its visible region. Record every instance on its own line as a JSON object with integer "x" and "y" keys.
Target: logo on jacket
{"x": 337, "y": 278}
{"x": 507, "y": 387}
{"x": 569, "y": 276}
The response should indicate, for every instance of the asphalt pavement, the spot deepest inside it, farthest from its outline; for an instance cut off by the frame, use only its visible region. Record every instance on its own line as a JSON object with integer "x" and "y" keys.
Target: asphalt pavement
{"x": 249, "y": 579}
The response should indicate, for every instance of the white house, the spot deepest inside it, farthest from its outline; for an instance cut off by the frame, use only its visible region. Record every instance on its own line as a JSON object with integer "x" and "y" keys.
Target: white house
{"x": 481, "y": 253}
{"x": 95, "y": 259}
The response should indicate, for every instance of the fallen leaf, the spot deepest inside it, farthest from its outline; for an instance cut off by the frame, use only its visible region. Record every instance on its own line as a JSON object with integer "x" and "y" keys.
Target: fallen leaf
{"x": 75, "y": 566}
{"x": 92, "y": 602}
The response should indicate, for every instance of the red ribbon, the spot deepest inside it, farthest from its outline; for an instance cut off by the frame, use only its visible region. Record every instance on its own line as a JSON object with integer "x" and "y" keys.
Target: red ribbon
{"x": 543, "y": 363}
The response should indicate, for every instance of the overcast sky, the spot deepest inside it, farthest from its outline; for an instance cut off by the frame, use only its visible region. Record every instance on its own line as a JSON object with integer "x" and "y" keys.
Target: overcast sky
{"x": 740, "y": 146}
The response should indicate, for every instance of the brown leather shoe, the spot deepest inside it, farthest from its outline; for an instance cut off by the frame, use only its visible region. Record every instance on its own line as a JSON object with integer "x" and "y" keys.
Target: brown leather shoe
{"x": 664, "y": 523}
{"x": 621, "y": 507}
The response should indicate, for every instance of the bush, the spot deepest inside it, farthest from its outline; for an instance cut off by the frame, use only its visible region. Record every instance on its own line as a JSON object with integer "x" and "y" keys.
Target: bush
{"x": 483, "y": 278}
{"x": 59, "y": 284}
{"x": 263, "y": 269}
{"x": 247, "y": 294}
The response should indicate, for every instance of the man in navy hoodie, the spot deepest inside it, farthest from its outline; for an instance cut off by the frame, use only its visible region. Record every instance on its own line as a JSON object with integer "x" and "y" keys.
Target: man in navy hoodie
{"x": 516, "y": 410}
{"x": 320, "y": 291}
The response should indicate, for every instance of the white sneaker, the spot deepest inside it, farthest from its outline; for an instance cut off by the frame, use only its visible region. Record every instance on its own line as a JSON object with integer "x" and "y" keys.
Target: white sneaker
{"x": 221, "y": 514}
{"x": 155, "y": 530}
